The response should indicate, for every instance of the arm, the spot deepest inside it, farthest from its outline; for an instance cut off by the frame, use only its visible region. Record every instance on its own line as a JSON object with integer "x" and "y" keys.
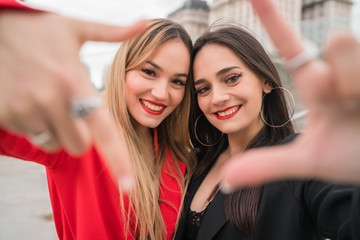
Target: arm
{"x": 41, "y": 72}
{"x": 329, "y": 147}
{"x": 19, "y": 147}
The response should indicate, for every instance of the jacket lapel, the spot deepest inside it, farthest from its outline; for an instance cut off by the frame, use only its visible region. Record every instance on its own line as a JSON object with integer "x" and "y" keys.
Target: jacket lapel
{"x": 194, "y": 185}
{"x": 214, "y": 218}
{"x": 170, "y": 192}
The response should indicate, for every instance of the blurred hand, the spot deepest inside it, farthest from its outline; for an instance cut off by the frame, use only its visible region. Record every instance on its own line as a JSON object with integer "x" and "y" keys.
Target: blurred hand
{"x": 329, "y": 147}
{"x": 41, "y": 72}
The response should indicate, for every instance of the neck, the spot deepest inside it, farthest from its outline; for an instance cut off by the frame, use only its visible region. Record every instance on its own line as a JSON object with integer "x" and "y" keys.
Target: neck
{"x": 239, "y": 141}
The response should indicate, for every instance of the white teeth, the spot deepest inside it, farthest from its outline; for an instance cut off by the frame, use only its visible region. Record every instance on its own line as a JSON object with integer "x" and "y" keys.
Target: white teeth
{"x": 228, "y": 112}
{"x": 151, "y": 106}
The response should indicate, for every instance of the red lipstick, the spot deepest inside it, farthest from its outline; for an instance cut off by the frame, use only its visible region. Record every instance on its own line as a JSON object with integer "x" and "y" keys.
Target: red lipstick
{"x": 148, "y": 110}
{"x": 227, "y": 116}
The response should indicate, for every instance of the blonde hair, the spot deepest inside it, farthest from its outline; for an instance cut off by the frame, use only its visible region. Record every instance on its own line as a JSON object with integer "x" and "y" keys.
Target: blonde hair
{"x": 172, "y": 132}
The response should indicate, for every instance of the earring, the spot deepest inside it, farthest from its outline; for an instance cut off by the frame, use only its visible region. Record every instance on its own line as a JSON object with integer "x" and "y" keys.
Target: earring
{"x": 292, "y": 112}
{"x": 197, "y": 138}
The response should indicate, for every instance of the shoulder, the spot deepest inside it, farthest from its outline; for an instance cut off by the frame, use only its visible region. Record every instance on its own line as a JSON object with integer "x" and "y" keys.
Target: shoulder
{"x": 289, "y": 138}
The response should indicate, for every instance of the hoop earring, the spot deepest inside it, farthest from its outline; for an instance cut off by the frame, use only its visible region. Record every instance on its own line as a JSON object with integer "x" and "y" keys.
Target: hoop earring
{"x": 292, "y": 112}
{"x": 197, "y": 138}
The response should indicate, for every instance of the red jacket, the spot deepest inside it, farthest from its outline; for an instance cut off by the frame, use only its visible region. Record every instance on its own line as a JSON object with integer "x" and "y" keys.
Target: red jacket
{"x": 84, "y": 198}
{"x": 13, "y": 4}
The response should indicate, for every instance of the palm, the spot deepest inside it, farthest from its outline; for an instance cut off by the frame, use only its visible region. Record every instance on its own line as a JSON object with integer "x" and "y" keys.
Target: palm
{"x": 329, "y": 147}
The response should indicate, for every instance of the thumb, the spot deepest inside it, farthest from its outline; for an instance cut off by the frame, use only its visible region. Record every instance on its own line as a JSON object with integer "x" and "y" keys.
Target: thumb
{"x": 256, "y": 167}
{"x": 91, "y": 31}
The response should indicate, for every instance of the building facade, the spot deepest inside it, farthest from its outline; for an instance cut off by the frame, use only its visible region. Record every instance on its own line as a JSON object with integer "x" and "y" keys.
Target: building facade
{"x": 321, "y": 18}
{"x": 193, "y": 16}
{"x": 196, "y": 16}
{"x": 316, "y": 19}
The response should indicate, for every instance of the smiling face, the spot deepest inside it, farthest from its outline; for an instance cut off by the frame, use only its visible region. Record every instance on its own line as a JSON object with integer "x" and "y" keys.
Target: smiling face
{"x": 228, "y": 92}
{"x": 155, "y": 88}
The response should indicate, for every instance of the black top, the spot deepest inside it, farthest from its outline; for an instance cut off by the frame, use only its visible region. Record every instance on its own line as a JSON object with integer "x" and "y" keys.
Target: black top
{"x": 193, "y": 224}
{"x": 296, "y": 210}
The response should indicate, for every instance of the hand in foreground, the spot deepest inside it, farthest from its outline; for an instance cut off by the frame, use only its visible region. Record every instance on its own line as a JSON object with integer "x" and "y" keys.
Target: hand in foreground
{"x": 329, "y": 147}
{"x": 40, "y": 75}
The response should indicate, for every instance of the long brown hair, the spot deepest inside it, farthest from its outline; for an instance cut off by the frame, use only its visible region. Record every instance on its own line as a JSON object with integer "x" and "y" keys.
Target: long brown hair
{"x": 172, "y": 132}
{"x": 241, "y": 206}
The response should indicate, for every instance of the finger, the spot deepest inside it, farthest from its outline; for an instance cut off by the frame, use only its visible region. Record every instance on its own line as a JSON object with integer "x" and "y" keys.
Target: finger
{"x": 51, "y": 107}
{"x": 73, "y": 134}
{"x": 32, "y": 123}
{"x": 103, "y": 131}
{"x": 263, "y": 165}
{"x": 111, "y": 143}
{"x": 91, "y": 31}
{"x": 290, "y": 44}
{"x": 284, "y": 38}
{"x": 343, "y": 56}
{"x": 7, "y": 119}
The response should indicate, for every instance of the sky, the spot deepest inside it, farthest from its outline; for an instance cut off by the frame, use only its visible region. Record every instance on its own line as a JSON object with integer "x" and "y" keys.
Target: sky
{"x": 119, "y": 12}
{"x": 122, "y": 12}
{"x": 111, "y": 11}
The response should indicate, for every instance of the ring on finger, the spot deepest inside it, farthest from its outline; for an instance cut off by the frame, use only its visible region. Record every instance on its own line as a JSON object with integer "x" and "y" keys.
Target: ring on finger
{"x": 41, "y": 138}
{"x": 310, "y": 52}
{"x": 82, "y": 107}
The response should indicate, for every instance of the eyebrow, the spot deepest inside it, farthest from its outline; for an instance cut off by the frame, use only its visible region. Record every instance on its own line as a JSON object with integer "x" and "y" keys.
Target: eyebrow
{"x": 225, "y": 70}
{"x": 181, "y": 75}
{"x": 154, "y": 65}
{"x": 159, "y": 68}
{"x": 222, "y": 71}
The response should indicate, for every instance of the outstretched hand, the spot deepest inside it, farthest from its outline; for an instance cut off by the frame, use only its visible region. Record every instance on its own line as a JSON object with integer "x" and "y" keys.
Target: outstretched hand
{"x": 40, "y": 74}
{"x": 329, "y": 147}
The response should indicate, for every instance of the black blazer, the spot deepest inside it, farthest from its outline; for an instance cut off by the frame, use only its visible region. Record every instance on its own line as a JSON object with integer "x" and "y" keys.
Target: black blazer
{"x": 352, "y": 231}
{"x": 355, "y": 217}
{"x": 288, "y": 210}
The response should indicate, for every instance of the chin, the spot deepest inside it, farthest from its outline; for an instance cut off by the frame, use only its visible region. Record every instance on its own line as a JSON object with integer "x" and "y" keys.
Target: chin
{"x": 151, "y": 124}
{"x": 229, "y": 131}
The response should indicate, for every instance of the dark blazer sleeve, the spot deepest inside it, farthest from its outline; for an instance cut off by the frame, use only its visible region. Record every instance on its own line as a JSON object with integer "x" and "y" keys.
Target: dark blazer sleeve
{"x": 334, "y": 209}
{"x": 355, "y": 215}
{"x": 328, "y": 205}
{"x": 351, "y": 229}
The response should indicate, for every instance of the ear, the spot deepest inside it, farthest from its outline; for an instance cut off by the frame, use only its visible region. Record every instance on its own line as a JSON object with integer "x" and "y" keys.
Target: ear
{"x": 266, "y": 87}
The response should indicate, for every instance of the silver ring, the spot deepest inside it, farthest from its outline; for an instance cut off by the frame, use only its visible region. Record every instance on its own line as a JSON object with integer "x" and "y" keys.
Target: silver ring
{"x": 41, "y": 138}
{"x": 82, "y": 107}
{"x": 310, "y": 52}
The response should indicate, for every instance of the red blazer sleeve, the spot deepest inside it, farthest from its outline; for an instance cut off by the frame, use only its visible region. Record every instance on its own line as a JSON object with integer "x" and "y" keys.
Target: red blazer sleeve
{"x": 19, "y": 147}
{"x": 14, "y": 4}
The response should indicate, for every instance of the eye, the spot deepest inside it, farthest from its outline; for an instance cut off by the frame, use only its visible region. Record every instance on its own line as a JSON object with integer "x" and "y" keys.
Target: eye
{"x": 233, "y": 78}
{"x": 149, "y": 72}
{"x": 178, "y": 82}
{"x": 202, "y": 90}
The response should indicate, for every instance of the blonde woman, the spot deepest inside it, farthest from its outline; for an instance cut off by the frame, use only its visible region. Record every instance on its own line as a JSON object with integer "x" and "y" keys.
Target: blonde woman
{"x": 147, "y": 94}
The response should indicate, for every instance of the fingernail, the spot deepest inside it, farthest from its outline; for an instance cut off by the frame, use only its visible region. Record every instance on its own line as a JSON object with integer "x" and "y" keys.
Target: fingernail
{"x": 226, "y": 188}
{"x": 126, "y": 183}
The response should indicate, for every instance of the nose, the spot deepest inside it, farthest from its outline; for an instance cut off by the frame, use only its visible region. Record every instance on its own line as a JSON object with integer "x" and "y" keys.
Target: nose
{"x": 219, "y": 95}
{"x": 160, "y": 89}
